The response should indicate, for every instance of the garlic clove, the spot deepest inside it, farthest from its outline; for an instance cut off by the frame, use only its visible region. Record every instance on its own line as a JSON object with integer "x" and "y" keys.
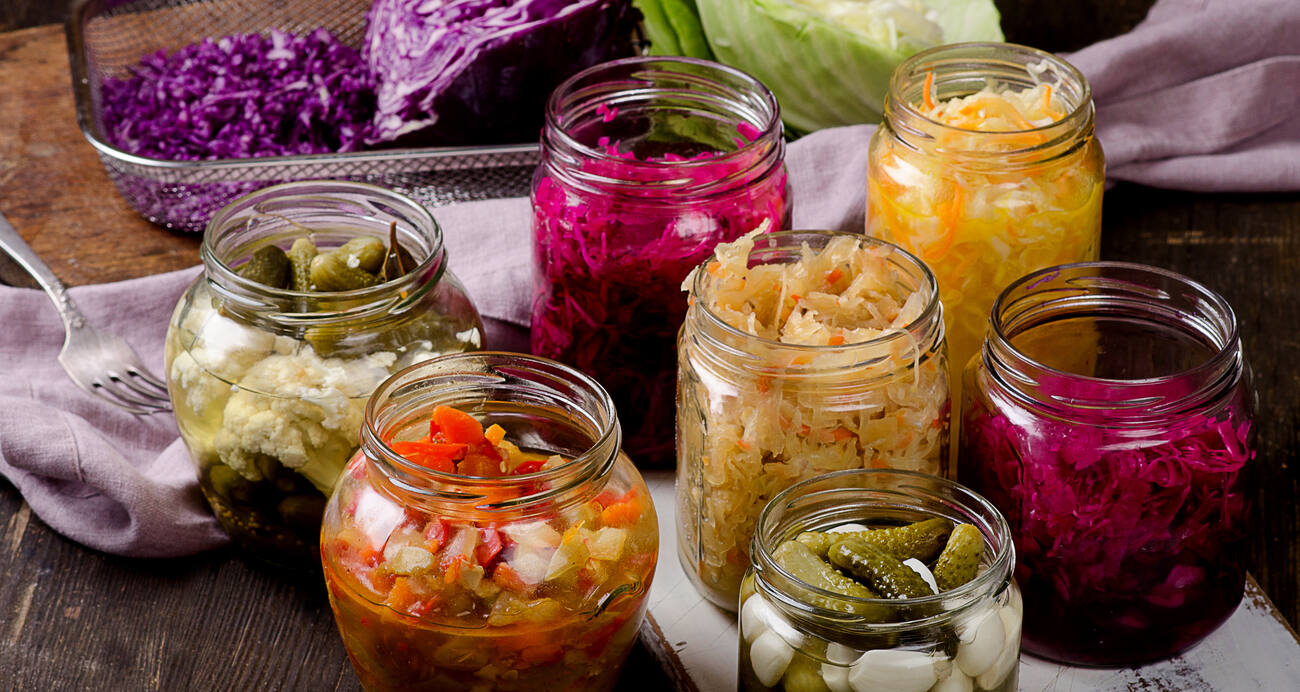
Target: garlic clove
{"x": 893, "y": 670}
{"x": 770, "y": 656}
{"x": 982, "y": 639}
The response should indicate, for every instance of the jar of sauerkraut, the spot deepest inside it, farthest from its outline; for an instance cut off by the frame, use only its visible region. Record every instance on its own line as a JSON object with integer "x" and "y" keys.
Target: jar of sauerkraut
{"x": 647, "y": 164}
{"x": 803, "y": 352}
{"x": 489, "y": 534}
{"x": 986, "y": 168}
{"x": 880, "y": 581}
{"x": 312, "y": 294}
{"x": 1109, "y": 417}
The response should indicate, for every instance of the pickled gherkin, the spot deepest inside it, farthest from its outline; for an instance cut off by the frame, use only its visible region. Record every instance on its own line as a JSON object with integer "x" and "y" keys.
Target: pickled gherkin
{"x": 366, "y": 251}
{"x": 960, "y": 560}
{"x": 268, "y": 266}
{"x": 805, "y": 566}
{"x": 922, "y": 540}
{"x": 300, "y": 256}
{"x": 878, "y": 569}
{"x": 330, "y": 271}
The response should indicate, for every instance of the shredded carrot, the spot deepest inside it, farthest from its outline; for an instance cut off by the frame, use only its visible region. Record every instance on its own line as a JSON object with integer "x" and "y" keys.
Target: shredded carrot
{"x": 841, "y": 434}
{"x": 928, "y": 97}
{"x": 744, "y": 445}
{"x": 835, "y": 340}
{"x": 713, "y": 268}
{"x": 834, "y": 275}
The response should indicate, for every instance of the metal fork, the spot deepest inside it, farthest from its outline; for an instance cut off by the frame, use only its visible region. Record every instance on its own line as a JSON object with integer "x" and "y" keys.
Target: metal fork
{"x": 99, "y": 362}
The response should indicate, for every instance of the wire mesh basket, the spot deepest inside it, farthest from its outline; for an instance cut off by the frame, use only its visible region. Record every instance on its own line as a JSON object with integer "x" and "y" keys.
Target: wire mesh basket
{"x": 107, "y": 37}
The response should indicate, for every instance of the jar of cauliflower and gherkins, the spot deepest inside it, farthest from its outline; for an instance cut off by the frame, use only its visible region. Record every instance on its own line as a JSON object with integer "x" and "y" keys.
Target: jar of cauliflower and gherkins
{"x": 889, "y": 581}
{"x": 312, "y": 294}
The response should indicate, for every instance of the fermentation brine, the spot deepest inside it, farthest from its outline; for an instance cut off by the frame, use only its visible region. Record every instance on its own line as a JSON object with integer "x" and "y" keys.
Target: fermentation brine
{"x": 803, "y": 352}
{"x": 312, "y": 294}
{"x": 986, "y": 168}
{"x": 1121, "y": 461}
{"x": 490, "y": 535}
{"x": 647, "y": 164}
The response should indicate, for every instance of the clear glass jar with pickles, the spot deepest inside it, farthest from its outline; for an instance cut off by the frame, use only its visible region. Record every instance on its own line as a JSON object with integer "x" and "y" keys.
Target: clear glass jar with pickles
{"x": 882, "y": 581}
{"x": 490, "y": 534}
{"x": 312, "y": 294}
{"x": 803, "y": 352}
{"x": 986, "y": 167}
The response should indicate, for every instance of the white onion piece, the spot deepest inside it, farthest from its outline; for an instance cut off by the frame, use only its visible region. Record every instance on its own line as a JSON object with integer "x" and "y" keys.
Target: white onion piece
{"x": 770, "y": 656}
{"x": 982, "y": 639}
{"x": 893, "y": 670}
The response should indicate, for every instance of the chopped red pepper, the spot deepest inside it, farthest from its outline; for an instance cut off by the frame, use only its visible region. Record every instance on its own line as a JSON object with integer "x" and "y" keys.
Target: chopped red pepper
{"x": 532, "y": 466}
{"x": 439, "y": 456}
{"x": 489, "y": 546}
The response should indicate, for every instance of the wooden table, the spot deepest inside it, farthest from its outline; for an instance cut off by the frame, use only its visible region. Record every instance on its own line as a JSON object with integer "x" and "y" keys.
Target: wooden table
{"x": 74, "y": 618}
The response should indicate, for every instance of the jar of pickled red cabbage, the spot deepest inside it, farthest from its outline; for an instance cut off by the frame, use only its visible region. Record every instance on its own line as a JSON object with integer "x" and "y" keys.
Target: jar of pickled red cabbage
{"x": 803, "y": 352}
{"x": 986, "y": 168}
{"x": 1109, "y": 417}
{"x": 880, "y": 581}
{"x": 312, "y": 294}
{"x": 489, "y": 534}
{"x": 647, "y": 163}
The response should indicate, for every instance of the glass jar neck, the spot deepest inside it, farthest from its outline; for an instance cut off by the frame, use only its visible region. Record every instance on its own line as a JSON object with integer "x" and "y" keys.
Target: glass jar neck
{"x": 544, "y": 407}
{"x": 1193, "y": 323}
{"x": 329, "y": 213}
{"x": 895, "y": 353}
{"x": 962, "y": 69}
{"x": 858, "y": 496}
{"x": 662, "y": 130}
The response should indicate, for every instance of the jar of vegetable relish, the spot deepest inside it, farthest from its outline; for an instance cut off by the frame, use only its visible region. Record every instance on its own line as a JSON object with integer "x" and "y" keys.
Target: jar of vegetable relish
{"x": 312, "y": 294}
{"x": 647, "y": 163}
{"x": 808, "y": 624}
{"x": 803, "y": 352}
{"x": 986, "y": 168}
{"x": 1109, "y": 417}
{"x": 489, "y": 535}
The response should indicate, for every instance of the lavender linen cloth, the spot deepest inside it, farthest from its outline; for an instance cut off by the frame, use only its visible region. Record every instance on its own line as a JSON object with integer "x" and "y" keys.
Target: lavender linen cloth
{"x": 1194, "y": 98}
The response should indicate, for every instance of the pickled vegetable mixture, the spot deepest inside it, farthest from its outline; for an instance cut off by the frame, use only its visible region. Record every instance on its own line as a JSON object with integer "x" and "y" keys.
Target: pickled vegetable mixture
{"x": 780, "y": 420}
{"x": 516, "y": 602}
{"x": 272, "y": 419}
{"x": 609, "y": 263}
{"x": 981, "y": 223}
{"x": 979, "y": 652}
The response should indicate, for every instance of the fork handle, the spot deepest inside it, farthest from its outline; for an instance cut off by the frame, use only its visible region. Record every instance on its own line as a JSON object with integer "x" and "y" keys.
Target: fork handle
{"x": 17, "y": 248}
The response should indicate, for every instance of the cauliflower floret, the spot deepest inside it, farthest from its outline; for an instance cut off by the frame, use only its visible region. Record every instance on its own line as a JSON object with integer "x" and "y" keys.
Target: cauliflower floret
{"x": 302, "y": 410}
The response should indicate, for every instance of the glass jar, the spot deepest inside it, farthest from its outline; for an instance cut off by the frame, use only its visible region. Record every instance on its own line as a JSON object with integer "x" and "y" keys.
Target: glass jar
{"x": 756, "y": 414}
{"x": 646, "y": 164}
{"x": 1109, "y": 417}
{"x": 796, "y": 636}
{"x": 269, "y": 384}
{"x": 983, "y": 208}
{"x": 517, "y": 582}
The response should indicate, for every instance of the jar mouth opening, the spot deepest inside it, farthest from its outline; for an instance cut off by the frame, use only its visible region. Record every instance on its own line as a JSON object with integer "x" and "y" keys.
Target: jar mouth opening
{"x": 904, "y": 489}
{"x": 522, "y": 393}
{"x": 772, "y": 248}
{"x": 1013, "y": 64}
{"x": 698, "y": 86}
{"x": 361, "y": 206}
{"x": 1149, "y": 295}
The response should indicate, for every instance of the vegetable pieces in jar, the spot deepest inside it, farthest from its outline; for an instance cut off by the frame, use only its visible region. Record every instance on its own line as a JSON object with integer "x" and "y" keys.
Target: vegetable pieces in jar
{"x": 803, "y": 352}
{"x": 887, "y": 564}
{"x": 547, "y": 594}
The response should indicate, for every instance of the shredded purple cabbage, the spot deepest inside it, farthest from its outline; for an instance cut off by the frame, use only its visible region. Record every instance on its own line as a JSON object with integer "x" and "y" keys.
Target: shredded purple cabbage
{"x": 607, "y": 295}
{"x": 1129, "y": 547}
{"x": 480, "y": 71}
{"x": 243, "y": 96}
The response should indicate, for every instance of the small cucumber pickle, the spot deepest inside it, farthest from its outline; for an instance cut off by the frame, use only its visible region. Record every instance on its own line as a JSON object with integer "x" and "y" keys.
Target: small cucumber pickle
{"x": 312, "y": 294}
{"x": 880, "y": 580}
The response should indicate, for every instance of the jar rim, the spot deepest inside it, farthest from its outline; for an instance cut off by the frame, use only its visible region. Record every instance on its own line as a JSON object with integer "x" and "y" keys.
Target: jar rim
{"x": 1227, "y": 342}
{"x": 422, "y": 225}
{"x": 930, "y": 314}
{"x": 1079, "y": 117}
{"x": 894, "y": 481}
{"x": 480, "y": 370}
{"x": 770, "y": 127}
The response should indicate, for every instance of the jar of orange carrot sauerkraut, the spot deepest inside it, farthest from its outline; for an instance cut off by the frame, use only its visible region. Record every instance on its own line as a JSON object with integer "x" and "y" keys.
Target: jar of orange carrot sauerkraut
{"x": 489, "y": 535}
{"x": 987, "y": 169}
{"x": 803, "y": 352}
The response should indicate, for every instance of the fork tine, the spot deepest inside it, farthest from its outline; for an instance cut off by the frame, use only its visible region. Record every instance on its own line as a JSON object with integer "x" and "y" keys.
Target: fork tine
{"x": 121, "y": 389}
{"x": 150, "y": 379}
{"x": 111, "y": 397}
{"x": 144, "y": 386}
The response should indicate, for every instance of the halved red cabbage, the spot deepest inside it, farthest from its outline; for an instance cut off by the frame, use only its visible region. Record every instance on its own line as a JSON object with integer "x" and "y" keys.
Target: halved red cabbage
{"x": 480, "y": 71}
